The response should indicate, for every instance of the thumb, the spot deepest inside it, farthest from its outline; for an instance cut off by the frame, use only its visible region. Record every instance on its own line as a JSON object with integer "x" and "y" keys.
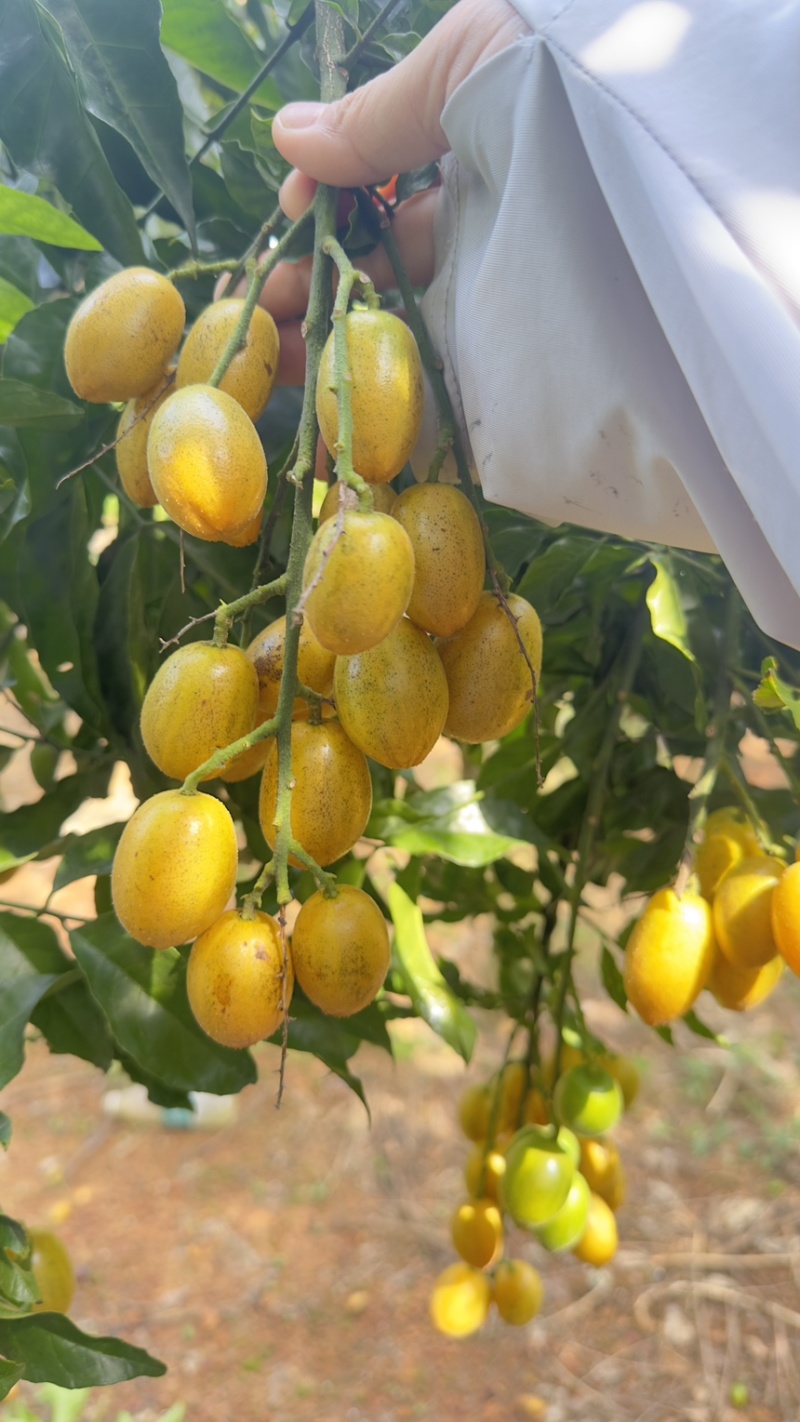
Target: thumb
{"x": 393, "y": 123}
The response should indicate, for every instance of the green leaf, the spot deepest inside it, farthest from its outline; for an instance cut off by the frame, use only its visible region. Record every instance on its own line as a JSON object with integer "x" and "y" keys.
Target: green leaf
{"x": 206, "y": 34}
{"x": 24, "y": 215}
{"x": 87, "y": 854}
{"x": 701, "y": 1030}
{"x": 429, "y": 993}
{"x": 13, "y": 305}
{"x": 46, "y": 131}
{"x": 32, "y": 829}
{"x": 51, "y": 1349}
{"x": 22, "y": 405}
{"x": 10, "y": 1374}
{"x": 69, "y": 1018}
{"x": 23, "y": 986}
{"x": 143, "y": 995}
{"x": 773, "y": 694}
{"x": 612, "y": 979}
{"x": 125, "y": 80}
{"x": 452, "y": 824}
{"x": 5, "y": 1130}
{"x": 666, "y": 606}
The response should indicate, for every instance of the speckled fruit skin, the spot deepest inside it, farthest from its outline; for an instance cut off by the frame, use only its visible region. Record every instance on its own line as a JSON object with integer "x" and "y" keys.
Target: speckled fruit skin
{"x": 206, "y": 464}
{"x": 314, "y": 667}
{"x": 251, "y": 374}
{"x": 517, "y": 1291}
{"x": 449, "y": 558}
{"x": 669, "y": 956}
{"x": 332, "y": 796}
{"x": 460, "y": 1301}
{"x": 488, "y": 679}
{"x": 786, "y": 917}
{"x": 358, "y": 580}
{"x": 743, "y": 911}
{"x": 383, "y": 500}
{"x": 386, "y": 394}
{"x": 392, "y": 700}
{"x": 742, "y": 989}
{"x": 340, "y": 950}
{"x": 52, "y": 1269}
{"x": 123, "y": 336}
{"x": 235, "y": 979}
{"x": 201, "y": 699}
{"x": 174, "y": 869}
{"x": 131, "y": 451}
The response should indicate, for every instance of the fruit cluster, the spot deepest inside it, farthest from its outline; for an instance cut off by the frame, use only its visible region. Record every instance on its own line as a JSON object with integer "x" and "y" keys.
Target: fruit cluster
{"x": 384, "y": 575}
{"x": 734, "y": 937}
{"x": 540, "y": 1161}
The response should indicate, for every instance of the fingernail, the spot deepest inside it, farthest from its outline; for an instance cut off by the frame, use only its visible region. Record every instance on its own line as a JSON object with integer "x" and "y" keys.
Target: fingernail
{"x": 300, "y": 115}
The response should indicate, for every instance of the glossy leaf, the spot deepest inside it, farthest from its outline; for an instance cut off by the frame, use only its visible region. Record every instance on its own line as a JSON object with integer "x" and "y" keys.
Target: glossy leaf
{"x": 143, "y": 995}
{"x": 666, "y": 608}
{"x": 774, "y": 694}
{"x": 612, "y": 979}
{"x": 52, "y": 1349}
{"x": 431, "y": 997}
{"x": 25, "y": 215}
{"x": 46, "y": 131}
{"x": 206, "y": 34}
{"x": 13, "y": 306}
{"x": 67, "y": 1015}
{"x": 25, "y": 405}
{"x": 85, "y": 854}
{"x": 23, "y": 986}
{"x": 10, "y": 1374}
{"x": 125, "y": 80}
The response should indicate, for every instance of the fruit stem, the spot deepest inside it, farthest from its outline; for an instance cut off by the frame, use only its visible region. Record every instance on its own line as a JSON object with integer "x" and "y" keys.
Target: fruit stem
{"x": 361, "y": 44}
{"x": 191, "y": 270}
{"x": 226, "y": 754}
{"x": 229, "y": 611}
{"x": 348, "y": 279}
{"x": 252, "y": 901}
{"x": 618, "y": 686}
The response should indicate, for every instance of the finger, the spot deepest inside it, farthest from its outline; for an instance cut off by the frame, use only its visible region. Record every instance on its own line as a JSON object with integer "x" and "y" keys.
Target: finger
{"x": 292, "y": 359}
{"x": 296, "y": 194}
{"x": 393, "y": 123}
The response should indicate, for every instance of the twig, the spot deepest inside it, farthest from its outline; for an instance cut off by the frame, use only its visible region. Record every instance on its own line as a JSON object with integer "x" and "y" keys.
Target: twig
{"x": 360, "y": 45}
{"x": 349, "y": 278}
{"x": 107, "y": 448}
{"x": 48, "y": 912}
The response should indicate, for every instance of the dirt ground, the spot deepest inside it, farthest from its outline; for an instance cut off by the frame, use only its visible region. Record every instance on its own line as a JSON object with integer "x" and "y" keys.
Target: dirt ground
{"x": 281, "y": 1264}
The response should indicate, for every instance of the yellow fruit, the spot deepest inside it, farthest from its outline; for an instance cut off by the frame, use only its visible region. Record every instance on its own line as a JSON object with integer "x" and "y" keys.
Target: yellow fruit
{"x": 669, "y": 957}
{"x": 131, "y": 451}
{"x": 123, "y": 336}
{"x": 386, "y": 394}
{"x": 251, "y": 374}
{"x": 488, "y": 677}
{"x": 449, "y": 558}
{"x": 534, "y": 1111}
{"x": 238, "y": 986}
{"x": 473, "y": 1112}
{"x": 598, "y": 1244}
{"x": 392, "y": 700}
{"x": 741, "y": 989}
{"x": 332, "y": 796}
{"x": 340, "y": 950}
{"x": 715, "y": 858}
{"x": 206, "y": 464}
{"x": 174, "y": 869}
{"x": 249, "y": 534}
{"x": 477, "y": 1232}
{"x": 732, "y": 821}
{"x": 513, "y": 1086}
{"x": 201, "y": 699}
{"x": 625, "y": 1072}
{"x": 742, "y": 911}
{"x": 314, "y": 667}
{"x": 383, "y": 500}
{"x": 603, "y": 1171}
{"x": 53, "y": 1272}
{"x": 517, "y": 1291}
{"x": 358, "y": 579}
{"x": 786, "y": 917}
{"x": 485, "y": 1168}
{"x": 460, "y": 1301}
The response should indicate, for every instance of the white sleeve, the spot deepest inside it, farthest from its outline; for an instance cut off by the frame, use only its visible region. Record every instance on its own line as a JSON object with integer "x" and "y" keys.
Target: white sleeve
{"x": 617, "y": 298}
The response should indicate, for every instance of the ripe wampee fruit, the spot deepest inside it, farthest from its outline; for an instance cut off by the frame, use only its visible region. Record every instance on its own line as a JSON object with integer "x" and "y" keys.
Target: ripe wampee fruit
{"x": 123, "y": 336}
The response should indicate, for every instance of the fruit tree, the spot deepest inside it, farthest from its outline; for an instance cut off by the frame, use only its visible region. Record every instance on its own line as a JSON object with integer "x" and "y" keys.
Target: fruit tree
{"x": 272, "y": 660}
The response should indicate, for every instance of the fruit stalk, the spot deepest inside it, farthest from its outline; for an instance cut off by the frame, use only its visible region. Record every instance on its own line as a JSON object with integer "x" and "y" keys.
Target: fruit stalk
{"x": 229, "y": 611}
{"x": 348, "y": 279}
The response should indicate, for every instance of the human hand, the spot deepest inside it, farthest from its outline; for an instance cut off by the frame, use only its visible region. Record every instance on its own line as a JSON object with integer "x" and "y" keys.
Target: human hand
{"x": 390, "y": 125}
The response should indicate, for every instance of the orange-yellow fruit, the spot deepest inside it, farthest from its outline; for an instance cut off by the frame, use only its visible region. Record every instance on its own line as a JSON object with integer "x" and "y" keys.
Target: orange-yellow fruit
{"x": 477, "y": 1232}
{"x": 174, "y": 869}
{"x": 206, "y": 464}
{"x": 237, "y": 983}
{"x": 474, "y": 1109}
{"x": 741, "y": 989}
{"x": 340, "y": 950}
{"x": 742, "y": 911}
{"x": 517, "y": 1291}
{"x": 669, "y": 957}
{"x": 52, "y": 1269}
{"x": 201, "y": 699}
{"x": 485, "y": 1167}
{"x": 786, "y": 917}
{"x": 488, "y": 678}
{"x": 534, "y": 1111}
{"x": 598, "y": 1244}
{"x": 383, "y": 500}
{"x": 386, "y": 394}
{"x": 626, "y": 1073}
{"x": 392, "y": 700}
{"x": 249, "y": 534}
{"x": 332, "y": 796}
{"x": 460, "y": 1301}
{"x": 731, "y": 820}
{"x": 131, "y": 450}
{"x": 715, "y": 858}
{"x": 358, "y": 580}
{"x": 449, "y": 558}
{"x": 314, "y": 667}
{"x": 603, "y": 1171}
{"x": 513, "y": 1083}
{"x": 123, "y": 336}
{"x": 251, "y": 374}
